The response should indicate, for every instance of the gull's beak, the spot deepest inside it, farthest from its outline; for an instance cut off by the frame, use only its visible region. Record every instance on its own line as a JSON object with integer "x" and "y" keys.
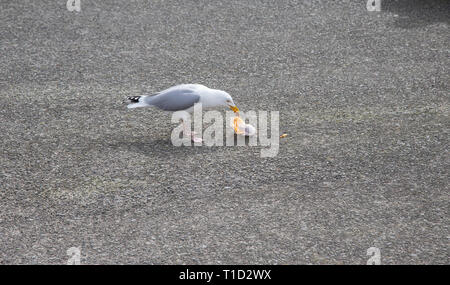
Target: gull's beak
{"x": 234, "y": 108}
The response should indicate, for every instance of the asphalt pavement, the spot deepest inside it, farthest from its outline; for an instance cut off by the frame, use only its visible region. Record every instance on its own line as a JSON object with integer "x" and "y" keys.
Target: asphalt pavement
{"x": 362, "y": 96}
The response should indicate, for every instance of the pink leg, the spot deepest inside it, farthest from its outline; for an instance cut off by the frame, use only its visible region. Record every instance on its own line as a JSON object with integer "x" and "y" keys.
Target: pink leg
{"x": 186, "y": 129}
{"x": 195, "y": 139}
{"x": 187, "y": 132}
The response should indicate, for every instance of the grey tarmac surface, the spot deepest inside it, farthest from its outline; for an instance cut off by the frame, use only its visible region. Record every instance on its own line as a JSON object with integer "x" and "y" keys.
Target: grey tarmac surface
{"x": 363, "y": 97}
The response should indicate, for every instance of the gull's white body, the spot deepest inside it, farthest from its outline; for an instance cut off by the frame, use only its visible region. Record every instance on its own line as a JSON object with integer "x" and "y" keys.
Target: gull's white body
{"x": 183, "y": 97}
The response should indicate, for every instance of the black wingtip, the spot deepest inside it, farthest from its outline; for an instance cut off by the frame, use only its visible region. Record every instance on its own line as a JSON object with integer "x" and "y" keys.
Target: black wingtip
{"x": 134, "y": 98}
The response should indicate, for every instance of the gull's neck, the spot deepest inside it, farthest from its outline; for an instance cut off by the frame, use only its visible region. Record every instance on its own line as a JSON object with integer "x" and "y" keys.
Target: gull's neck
{"x": 211, "y": 98}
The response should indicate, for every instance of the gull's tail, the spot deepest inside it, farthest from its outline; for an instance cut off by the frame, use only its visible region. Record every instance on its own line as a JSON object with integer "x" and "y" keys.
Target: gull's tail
{"x": 136, "y": 102}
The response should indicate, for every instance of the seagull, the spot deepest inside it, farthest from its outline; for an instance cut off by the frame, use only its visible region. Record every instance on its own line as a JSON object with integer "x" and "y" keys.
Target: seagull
{"x": 182, "y": 98}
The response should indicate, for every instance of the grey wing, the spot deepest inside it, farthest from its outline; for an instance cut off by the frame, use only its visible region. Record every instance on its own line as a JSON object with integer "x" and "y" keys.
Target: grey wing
{"x": 174, "y": 100}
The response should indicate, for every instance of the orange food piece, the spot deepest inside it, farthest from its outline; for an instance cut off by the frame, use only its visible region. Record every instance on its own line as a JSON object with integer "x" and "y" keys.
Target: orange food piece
{"x": 238, "y": 122}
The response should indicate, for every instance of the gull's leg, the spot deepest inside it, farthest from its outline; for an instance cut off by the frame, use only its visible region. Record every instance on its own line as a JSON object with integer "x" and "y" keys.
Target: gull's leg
{"x": 187, "y": 132}
{"x": 186, "y": 129}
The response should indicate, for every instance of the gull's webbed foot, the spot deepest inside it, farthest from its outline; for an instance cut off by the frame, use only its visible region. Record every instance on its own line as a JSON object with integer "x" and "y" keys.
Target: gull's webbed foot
{"x": 195, "y": 139}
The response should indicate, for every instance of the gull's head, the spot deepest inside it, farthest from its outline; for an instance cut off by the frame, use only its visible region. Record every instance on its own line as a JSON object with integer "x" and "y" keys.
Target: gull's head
{"x": 226, "y": 100}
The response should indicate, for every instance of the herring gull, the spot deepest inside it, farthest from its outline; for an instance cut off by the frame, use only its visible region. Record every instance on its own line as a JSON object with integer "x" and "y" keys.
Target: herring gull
{"x": 182, "y": 98}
